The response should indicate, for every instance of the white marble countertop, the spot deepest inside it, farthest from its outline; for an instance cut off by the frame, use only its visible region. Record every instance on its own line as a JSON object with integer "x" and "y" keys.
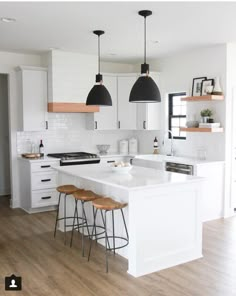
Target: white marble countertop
{"x": 117, "y": 154}
{"x": 177, "y": 159}
{"x": 137, "y": 178}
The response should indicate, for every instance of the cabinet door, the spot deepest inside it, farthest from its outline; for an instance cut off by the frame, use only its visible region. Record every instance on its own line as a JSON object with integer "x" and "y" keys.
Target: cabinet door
{"x": 126, "y": 110}
{"x": 106, "y": 118}
{"x": 149, "y": 114}
{"x": 34, "y": 97}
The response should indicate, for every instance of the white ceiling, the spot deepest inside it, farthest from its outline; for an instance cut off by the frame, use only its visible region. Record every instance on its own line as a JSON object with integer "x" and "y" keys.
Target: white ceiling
{"x": 177, "y": 26}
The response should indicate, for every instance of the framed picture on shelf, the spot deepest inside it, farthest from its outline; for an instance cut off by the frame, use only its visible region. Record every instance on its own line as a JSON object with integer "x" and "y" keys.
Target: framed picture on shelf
{"x": 197, "y": 86}
{"x": 207, "y": 87}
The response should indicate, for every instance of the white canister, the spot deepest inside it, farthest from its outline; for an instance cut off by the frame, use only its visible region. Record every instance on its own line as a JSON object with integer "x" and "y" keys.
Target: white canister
{"x": 133, "y": 146}
{"x": 124, "y": 147}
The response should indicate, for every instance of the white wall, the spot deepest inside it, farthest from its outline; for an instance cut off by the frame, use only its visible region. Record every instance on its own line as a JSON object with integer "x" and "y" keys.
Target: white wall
{"x": 230, "y": 139}
{"x": 4, "y": 137}
{"x": 177, "y": 73}
{"x": 107, "y": 67}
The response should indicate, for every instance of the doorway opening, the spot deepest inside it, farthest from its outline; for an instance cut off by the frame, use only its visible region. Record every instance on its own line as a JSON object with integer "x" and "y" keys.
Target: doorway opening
{"x": 5, "y": 179}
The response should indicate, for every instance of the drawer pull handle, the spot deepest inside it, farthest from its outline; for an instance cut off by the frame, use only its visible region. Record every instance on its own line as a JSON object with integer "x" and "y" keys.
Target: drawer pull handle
{"x": 46, "y": 180}
{"x": 46, "y": 197}
{"x": 45, "y": 166}
{"x": 110, "y": 161}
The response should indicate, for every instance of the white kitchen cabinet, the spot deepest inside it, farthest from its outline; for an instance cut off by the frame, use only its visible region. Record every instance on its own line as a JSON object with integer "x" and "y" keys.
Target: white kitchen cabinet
{"x": 32, "y": 87}
{"x": 149, "y": 114}
{"x": 106, "y": 118}
{"x": 212, "y": 199}
{"x": 38, "y": 182}
{"x": 127, "y": 112}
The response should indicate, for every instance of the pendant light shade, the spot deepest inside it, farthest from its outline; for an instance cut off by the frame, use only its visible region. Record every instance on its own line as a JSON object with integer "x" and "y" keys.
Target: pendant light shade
{"x": 145, "y": 89}
{"x": 99, "y": 95}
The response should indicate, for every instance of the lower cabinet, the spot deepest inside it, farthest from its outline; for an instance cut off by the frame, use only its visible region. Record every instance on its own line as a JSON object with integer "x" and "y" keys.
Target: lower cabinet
{"x": 38, "y": 182}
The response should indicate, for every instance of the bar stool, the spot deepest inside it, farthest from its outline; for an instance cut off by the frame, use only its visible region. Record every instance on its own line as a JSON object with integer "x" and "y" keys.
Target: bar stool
{"x": 84, "y": 197}
{"x": 109, "y": 205}
{"x": 66, "y": 190}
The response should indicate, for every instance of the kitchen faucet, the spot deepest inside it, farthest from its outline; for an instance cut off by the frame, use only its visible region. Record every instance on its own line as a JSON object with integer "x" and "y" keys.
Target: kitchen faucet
{"x": 171, "y": 145}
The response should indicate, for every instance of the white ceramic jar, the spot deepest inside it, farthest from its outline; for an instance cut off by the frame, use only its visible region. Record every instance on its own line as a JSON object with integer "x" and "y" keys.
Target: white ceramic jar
{"x": 133, "y": 146}
{"x": 124, "y": 147}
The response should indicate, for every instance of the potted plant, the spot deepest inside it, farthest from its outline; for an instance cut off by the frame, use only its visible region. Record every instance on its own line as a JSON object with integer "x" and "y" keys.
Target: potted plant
{"x": 206, "y": 114}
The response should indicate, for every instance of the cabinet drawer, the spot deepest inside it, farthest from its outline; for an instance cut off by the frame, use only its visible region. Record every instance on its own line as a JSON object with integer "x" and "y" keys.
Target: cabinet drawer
{"x": 44, "y": 198}
{"x": 43, "y": 180}
{"x": 44, "y": 166}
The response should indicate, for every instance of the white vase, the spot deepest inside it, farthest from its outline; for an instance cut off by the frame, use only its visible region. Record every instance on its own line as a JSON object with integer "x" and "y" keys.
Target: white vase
{"x": 217, "y": 90}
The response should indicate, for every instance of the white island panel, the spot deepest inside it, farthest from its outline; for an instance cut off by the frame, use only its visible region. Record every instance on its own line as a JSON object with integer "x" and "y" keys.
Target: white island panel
{"x": 163, "y": 213}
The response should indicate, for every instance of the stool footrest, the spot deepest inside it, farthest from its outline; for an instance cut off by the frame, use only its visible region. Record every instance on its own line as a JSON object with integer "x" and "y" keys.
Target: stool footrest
{"x": 115, "y": 237}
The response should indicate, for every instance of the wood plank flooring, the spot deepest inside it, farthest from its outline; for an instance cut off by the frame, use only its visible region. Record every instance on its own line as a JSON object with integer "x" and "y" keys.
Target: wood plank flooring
{"x": 28, "y": 249}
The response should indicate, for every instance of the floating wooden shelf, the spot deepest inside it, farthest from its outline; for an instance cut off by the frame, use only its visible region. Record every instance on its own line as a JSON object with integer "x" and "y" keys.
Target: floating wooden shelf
{"x": 202, "y": 129}
{"x": 71, "y": 108}
{"x": 203, "y": 98}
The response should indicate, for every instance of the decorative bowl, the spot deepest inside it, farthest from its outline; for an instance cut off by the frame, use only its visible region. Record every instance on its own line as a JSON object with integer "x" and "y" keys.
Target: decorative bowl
{"x": 103, "y": 148}
{"x": 121, "y": 170}
{"x": 192, "y": 123}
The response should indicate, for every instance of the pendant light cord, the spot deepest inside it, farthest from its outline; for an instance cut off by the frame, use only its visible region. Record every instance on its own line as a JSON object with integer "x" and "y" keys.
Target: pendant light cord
{"x": 98, "y": 54}
{"x": 145, "y": 40}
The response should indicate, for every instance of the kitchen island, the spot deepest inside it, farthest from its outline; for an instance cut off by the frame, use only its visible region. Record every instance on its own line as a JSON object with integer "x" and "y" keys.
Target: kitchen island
{"x": 163, "y": 213}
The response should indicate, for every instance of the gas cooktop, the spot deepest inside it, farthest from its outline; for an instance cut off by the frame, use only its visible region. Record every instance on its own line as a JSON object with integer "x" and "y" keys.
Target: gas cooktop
{"x": 73, "y": 158}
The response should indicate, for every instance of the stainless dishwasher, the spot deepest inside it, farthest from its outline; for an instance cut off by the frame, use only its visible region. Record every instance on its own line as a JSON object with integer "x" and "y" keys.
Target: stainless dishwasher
{"x": 180, "y": 168}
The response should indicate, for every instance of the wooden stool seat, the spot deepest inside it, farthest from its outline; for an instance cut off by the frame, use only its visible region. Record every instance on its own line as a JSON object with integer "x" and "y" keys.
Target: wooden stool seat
{"x": 108, "y": 204}
{"x": 86, "y": 195}
{"x": 67, "y": 189}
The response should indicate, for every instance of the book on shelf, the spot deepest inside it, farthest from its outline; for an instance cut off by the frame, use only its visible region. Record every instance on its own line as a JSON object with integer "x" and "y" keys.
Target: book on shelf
{"x": 210, "y": 125}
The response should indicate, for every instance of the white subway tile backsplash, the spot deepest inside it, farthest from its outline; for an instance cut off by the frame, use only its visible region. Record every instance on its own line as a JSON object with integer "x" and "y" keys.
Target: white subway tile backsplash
{"x": 67, "y": 132}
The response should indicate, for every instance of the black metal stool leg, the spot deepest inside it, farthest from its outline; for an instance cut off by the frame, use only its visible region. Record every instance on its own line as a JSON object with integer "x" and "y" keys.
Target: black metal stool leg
{"x": 58, "y": 205}
{"x": 85, "y": 217}
{"x": 113, "y": 230}
{"x": 72, "y": 233}
{"x": 106, "y": 239}
{"x": 94, "y": 226}
{"x": 65, "y": 219}
{"x": 83, "y": 229}
{"x": 125, "y": 224}
{"x": 104, "y": 227}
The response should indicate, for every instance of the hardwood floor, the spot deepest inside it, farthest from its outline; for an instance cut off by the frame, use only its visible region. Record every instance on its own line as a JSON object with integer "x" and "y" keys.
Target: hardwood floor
{"x": 47, "y": 267}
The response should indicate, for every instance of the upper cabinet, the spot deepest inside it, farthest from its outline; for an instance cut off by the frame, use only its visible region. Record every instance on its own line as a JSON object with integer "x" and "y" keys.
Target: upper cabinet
{"x": 32, "y": 87}
{"x": 127, "y": 112}
{"x": 70, "y": 78}
{"x": 106, "y": 118}
{"x": 149, "y": 114}
{"x": 124, "y": 115}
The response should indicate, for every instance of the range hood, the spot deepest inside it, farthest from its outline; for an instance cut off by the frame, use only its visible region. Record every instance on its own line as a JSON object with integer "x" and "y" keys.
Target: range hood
{"x": 70, "y": 78}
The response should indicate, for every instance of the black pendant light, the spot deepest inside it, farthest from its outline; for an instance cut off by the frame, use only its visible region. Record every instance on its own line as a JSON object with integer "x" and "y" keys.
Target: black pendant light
{"x": 145, "y": 89}
{"x": 99, "y": 95}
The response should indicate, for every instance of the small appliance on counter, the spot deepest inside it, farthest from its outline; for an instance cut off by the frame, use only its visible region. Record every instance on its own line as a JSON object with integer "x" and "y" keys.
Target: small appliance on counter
{"x": 124, "y": 147}
{"x": 133, "y": 146}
